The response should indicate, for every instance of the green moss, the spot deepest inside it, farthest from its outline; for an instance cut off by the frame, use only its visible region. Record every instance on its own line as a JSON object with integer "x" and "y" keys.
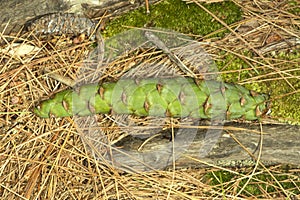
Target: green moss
{"x": 224, "y": 180}
{"x": 179, "y": 16}
{"x": 286, "y": 108}
{"x": 285, "y": 92}
{"x": 294, "y": 7}
{"x": 238, "y": 69}
{"x": 191, "y": 19}
{"x": 285, "y": 100}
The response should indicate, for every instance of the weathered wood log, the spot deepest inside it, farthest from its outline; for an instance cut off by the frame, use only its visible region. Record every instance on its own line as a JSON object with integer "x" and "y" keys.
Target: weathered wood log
{"x": 280, "y": 144}
{"x": 15, "y": 13}
{"x": 234, "y": 145}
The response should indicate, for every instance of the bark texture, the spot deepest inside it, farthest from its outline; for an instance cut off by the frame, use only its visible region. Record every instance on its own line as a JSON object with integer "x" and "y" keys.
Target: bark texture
{"x": 228, "y": 147}
{"x": 281, "y": 143}
{"x": 15, "y": 13}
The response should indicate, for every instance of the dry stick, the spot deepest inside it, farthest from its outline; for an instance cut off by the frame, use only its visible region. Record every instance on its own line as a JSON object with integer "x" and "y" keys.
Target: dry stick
{"x": 36, "y": 174}
{"x": 280, "y": 45}
{"x": 55, "y": 164}
{"x": 173, "y": 159}
{"x": 100, "y": 46}
{"x": 147, "y": 140}
{"x": 256, "y": 164}
{"x": 150, "y": 36}
{"x": 258, "y": 161}
{"x": 65, "y": 80}
{"x": 100, "y": 49}
{"x": 245, "y": 42}
{"x": 270, "y": 22}
{"x": 253, "y": 60}
{"x": 147, "y": 6}
{"x": 70, "y": 82}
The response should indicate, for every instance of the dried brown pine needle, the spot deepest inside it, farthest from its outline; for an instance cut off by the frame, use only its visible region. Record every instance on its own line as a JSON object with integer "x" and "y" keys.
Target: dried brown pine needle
{"x": 47, "y": 159}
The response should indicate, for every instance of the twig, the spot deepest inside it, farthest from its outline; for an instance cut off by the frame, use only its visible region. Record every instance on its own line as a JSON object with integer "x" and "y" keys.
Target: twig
{"x": 147, "y": 6}
{"x": 65, "y": 80}
{"x": 244, "y": 41}
{"x": 153, "y": 38}
{"x": 280, "y": 45}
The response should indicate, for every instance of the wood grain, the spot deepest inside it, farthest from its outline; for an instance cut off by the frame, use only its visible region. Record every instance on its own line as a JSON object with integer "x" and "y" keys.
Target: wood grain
{"x": 237, "y": 145}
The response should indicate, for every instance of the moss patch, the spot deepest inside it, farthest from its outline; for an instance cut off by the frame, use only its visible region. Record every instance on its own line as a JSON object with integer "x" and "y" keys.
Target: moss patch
{"x": 284, "y": 93}
{"x": 190, "y": 19}
{"x": 179, "y": 16}
{"x": 294, "y": 7}
{"x": 287, "y": 99}
{"x": 259, "y": 184}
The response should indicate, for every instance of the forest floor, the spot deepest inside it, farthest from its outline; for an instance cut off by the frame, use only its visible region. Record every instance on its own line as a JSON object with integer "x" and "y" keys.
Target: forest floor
{"x": 252, "y": 43}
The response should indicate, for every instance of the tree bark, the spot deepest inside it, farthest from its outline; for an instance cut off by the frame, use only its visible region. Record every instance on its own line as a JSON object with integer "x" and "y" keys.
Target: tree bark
{"x": 15, "y": 13}
{"x": 280, "y": 143}
{"x": 236, "y": 145}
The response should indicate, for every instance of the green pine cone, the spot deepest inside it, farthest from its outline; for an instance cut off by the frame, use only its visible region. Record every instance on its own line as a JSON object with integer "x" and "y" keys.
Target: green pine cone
{"x": 177, "y": 97}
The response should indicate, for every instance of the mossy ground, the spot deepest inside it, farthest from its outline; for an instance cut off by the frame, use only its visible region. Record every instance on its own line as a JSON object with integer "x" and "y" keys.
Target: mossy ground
{"x": 225, "y": 179}
{"x": 284, "y": 92}
{"x": 191, "y": 19}
{"x": 178, "y": 16}
{"x": 47, "y": 158}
